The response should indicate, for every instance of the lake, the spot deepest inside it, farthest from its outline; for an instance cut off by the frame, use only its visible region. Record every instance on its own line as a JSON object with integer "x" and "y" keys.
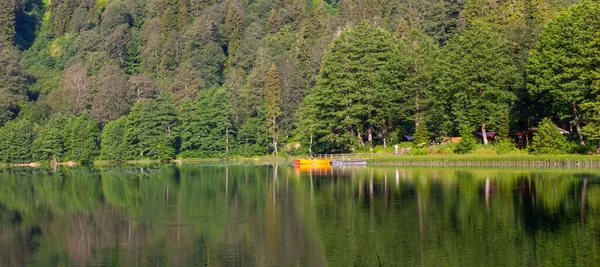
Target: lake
{"x": 190, "y": 215}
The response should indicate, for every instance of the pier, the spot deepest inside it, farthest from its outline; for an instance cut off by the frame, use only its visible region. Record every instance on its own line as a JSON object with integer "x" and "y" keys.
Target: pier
{"x": 347, "y": 159}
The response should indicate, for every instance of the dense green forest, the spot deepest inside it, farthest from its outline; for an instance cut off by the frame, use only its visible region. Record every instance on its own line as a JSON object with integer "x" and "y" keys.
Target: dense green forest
{"x": 83, "y": 80}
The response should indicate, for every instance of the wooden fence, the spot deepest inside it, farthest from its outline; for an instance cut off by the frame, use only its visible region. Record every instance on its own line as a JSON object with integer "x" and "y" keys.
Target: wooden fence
{"x": 349, "y": 156}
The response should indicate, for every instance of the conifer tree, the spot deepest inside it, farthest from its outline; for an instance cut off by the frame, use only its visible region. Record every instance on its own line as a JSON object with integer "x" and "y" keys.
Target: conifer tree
{"x": 548, "y": 139}
{"x": 49, "y": 145}
{"x": 7, "y": 23}
{"x": 84, "y": 139}
{"x": 114, "y": 146}
{"x": 359, "y": 90}
{"x": 273, "y": 104}
{"x": 16, "y": 138}
{"x": 564, "y": 63}
{"x": 274, "y": 22}
{"x": 479, "y": 76}
{"x": 233, "y": 20}
{"x": 151, "y": 128}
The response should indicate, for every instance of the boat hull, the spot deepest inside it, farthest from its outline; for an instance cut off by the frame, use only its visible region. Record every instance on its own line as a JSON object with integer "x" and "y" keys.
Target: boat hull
{"x": 312, "y": 162}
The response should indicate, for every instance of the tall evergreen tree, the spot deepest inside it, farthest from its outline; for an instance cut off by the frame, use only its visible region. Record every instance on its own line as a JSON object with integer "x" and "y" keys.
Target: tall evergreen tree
{"x": 49, "y": 145}
{"x": 359, "y": 89}
{"x": 151, "y": 128}
{"x": 13, "y": 84}
{"x": 114, "y": 146}
{"x": 16, "y": 138}
{"x": 565, "y": 61}
{"x": 479, "y": 76}
{"x": 83, "y": 144}
{"x": 7, "y": 23}
{"x": 273, "y": 104}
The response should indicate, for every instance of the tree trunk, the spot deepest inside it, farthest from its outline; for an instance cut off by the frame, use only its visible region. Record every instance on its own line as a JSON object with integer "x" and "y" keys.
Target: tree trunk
{"x": 226, "y": 140}
{"x": 360, "y": 139}
{"x": 484, "y": 134}
{"x": 577, "y": 126}
{"x": 370, "y": 135}
{"x": 598, "y": 149}
{"x": 310, "y": 146}
{"x": 275, "y": 145}
{"x": 384, "y": 134}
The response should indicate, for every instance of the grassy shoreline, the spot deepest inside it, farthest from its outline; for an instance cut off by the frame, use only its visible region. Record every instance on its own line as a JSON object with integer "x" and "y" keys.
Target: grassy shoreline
{"x": 383, "y": 159}
{"x": 487, "y": 160}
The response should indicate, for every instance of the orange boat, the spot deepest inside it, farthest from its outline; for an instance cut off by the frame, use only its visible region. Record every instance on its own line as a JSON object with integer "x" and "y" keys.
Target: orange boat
{"x": 312, "y": 162}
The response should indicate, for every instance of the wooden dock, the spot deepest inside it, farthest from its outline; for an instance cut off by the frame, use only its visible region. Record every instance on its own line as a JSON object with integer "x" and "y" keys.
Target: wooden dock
{"x": 353, "y": 159}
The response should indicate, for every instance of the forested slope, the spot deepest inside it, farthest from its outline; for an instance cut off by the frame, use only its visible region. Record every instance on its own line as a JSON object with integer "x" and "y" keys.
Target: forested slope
{"x": 124, "y": 79}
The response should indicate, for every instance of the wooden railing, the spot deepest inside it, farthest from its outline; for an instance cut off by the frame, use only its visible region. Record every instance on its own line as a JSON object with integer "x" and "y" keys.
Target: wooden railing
{"x": 345, "y": 156}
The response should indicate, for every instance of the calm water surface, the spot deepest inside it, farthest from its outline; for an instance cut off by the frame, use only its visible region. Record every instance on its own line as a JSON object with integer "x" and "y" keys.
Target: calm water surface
{"x": 164, "y": 215}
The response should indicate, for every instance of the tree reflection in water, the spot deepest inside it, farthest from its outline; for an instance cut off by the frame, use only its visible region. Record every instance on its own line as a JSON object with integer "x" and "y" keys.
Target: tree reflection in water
{"x": 164, "y": 215}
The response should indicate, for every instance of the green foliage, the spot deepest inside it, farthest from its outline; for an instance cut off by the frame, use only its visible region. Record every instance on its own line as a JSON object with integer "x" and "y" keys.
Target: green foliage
{"x": 273, "y": 104}
{"x": 313, "y": 72}
{"x": 50, "y": 143}
{"x": 151, "y": 128}
{"x": 504, "y": 147}
{"x": 418, "y": 151}
{"x": 478, "y": 74}
{"x": 206, "y": 125}
{"x": 16, "y": 138}
{"x": 548, "y": 139}
{"x": 563, "y": 65}
{"x": 358, "y": 89}
{"x": 114, "y": 146}
{"x": 466, "y": 144}
{"x": 252, "y": 137}
{"x": 83, "y": 143}
{"x": 421, "y": 135}
{"x": 68, "y": 138}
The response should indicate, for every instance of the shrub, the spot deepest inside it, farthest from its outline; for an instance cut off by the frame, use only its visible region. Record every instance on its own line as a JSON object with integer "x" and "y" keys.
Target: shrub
{"x": 548, "y": 139}
{"x": 418, "y": 152}
{"x": 466, "y": 144}
{"x": 504, "y": 147}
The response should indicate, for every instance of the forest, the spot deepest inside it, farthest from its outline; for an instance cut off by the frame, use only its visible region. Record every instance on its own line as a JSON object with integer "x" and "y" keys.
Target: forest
{"x": 114, "y": 80}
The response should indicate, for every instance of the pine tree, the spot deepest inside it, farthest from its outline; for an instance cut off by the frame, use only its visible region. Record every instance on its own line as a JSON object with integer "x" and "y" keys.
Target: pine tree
{"x": 49, "y": 145}
{"x": 564, "y": 63}
{"x": 273, "y": 104}
{"x": 189, "y": 127}
{"x": 359, "y": 89}
{"x": 421, "y": 133}
{"x": 114, "y": 146}
{"x": 479, "y": 76}
{"x": 233, "y": 20}
{"x": 274, "y": 22}
{"x": 7, "y": 23}
{"x": 548, "y": 139}
{"x": 16, "y": 138}
{"x": 84, "y": 139}
{"x": 151, "y": 128}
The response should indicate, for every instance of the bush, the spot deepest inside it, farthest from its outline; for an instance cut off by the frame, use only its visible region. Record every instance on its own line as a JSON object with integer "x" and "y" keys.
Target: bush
{"x": 418, "y": 152}
{"x": 447, "y": 148}
{"x": 466, "y": 144}
{"x": 548, "y": 139}
{"x": 504, "y": 147}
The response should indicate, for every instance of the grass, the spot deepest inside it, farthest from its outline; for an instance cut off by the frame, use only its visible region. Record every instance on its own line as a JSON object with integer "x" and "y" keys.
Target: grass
{"x": 520, "y": 159}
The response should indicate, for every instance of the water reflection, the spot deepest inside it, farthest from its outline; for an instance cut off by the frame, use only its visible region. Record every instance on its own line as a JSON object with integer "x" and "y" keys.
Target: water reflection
{"x": 163, "y": 215}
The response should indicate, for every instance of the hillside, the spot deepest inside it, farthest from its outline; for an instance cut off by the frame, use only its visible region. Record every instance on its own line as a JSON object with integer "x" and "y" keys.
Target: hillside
{"x": 83, "y": 80}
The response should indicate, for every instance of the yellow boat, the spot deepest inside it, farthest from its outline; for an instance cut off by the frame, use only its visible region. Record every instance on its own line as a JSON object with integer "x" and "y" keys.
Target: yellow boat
{"x": 312, "y": 162}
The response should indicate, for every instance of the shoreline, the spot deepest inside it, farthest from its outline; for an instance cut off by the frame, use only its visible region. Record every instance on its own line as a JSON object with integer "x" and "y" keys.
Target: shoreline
{"x": 507, "y": 160}
{"x": 383, "y": 159}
